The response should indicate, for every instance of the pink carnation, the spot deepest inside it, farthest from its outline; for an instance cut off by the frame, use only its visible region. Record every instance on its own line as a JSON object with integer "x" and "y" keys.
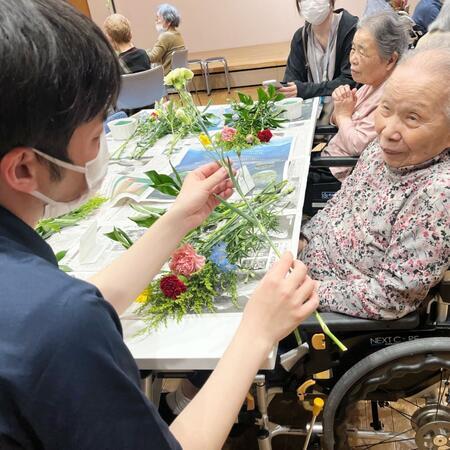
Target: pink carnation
{"x": 228, "y": 134}
{"x": 185, "y": 261}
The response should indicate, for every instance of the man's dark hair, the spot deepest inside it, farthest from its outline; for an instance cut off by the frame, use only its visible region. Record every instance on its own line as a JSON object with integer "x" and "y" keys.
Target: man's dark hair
{"x": 57, "y": 71}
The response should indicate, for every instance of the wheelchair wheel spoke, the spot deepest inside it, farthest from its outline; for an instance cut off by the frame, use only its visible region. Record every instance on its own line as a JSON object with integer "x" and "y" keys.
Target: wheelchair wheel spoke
{"x": 441, "y": 392}
{"x": 403, "y": 414}
{"x": 416, "y": 386}
{"x": 390, "y": 440}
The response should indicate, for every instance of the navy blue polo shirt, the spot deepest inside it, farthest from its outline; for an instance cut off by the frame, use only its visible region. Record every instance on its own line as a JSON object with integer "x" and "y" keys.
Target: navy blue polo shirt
{"x": 67, "y": 380}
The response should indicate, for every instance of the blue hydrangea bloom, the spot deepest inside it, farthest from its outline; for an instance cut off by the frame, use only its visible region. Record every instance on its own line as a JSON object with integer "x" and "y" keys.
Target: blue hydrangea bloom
{"x": 220, "y": 258}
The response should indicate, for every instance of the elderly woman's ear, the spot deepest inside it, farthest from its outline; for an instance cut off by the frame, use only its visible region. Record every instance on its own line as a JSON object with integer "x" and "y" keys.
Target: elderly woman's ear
{"x": 392, "y": 61}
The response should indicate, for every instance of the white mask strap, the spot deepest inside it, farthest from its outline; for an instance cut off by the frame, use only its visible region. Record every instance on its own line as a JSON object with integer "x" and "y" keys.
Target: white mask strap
{"x": 60, "y": 163}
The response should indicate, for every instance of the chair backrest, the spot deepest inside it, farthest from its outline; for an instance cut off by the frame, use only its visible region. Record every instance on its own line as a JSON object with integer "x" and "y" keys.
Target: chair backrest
{"x": 141, "y": 89}
{"x": 180, "y": 59}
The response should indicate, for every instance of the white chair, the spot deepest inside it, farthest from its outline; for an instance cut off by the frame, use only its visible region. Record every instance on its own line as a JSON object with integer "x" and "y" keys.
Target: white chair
{"x": 180, "y": 60}
{"x": 141, "y": 89}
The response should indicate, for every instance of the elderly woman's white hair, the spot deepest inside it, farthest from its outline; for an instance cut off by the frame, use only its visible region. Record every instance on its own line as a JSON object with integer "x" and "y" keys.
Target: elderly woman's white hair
{"x": 170, "y": 14}
{"x": 437, "y": 60}
{"x": 390, "y": 30}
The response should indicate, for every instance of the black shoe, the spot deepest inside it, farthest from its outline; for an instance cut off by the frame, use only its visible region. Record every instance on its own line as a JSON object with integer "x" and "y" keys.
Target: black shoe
{"x": 164, "y": 410}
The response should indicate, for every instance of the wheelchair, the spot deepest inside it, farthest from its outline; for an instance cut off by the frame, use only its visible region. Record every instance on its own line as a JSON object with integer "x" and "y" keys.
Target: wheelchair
{"x": 401, "y": 365}
{"x": 318, "y": 193}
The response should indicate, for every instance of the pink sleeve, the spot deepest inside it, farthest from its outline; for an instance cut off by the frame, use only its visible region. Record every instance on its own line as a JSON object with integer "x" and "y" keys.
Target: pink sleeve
{"x": 356, "y": 135}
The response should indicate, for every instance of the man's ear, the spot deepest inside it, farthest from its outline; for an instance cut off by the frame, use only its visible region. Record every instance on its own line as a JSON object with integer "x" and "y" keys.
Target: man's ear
{"x": 19, "y": 170}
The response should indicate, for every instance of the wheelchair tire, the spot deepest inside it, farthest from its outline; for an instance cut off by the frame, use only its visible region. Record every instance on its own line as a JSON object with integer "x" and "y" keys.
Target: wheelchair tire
{"x": 381, "y": 364}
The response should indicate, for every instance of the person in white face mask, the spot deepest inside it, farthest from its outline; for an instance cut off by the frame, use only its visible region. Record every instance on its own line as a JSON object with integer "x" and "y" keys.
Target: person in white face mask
{"x": 170, "y": 39}
{"x": 319, "y": 58}
{"x": 68, "y": 381}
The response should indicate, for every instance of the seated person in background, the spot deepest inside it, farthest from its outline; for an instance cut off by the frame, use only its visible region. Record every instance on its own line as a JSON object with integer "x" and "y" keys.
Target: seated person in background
{"x": 319, "y": 58}
{"x": 167, "y": 21}
{"x": 376, "y": 6}
{"x": 383, "y": 241}
{"x": 118, "y": 31}
{"x": 379, "y": 42}
{"x": 440, "y": 28}
{"x": 426, "y": 12}
{"x": 400, "y": 6}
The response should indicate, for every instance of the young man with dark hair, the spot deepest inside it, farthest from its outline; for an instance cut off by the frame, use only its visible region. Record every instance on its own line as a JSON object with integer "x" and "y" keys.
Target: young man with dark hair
{"x": 67, "y": 380}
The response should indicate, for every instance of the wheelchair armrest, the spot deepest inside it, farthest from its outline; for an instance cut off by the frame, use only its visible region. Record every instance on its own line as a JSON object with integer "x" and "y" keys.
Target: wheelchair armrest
{"x": 333, "y": 161}
{"x": 326, "y": 129}
{"x": 340, "y": 322}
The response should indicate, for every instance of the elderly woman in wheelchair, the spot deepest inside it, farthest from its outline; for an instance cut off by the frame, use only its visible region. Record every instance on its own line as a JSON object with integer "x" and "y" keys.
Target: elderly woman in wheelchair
{"x": 379, "y": 250}
{"x": 378, "y": 45}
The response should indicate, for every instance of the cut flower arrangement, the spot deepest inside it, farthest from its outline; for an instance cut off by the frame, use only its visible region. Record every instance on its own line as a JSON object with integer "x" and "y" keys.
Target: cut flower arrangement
{"x": 211, "y": 259}
{"x": 175, "y": 286}
{"x": 169, "y": 117}
{"x": 248, "y": 125}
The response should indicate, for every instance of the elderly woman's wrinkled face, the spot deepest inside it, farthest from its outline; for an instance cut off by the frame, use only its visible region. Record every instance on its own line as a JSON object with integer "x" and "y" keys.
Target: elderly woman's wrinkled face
{"x": 367, "y": 66}
{"x": 412, "y": 120}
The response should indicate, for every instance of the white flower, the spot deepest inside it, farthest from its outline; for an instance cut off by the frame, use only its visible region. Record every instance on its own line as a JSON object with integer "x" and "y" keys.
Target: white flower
{"x": 178, "y": 78}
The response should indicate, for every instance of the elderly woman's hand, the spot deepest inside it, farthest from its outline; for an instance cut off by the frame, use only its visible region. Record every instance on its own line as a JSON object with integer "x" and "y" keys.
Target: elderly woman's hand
{"x": 344, "y": 99}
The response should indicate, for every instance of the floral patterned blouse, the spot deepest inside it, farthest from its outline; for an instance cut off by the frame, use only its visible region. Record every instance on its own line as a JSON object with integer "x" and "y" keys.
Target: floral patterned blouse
{"x": 383, "y": 240}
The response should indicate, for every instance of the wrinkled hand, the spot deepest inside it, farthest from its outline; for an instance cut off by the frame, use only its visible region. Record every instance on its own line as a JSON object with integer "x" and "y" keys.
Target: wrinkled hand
{"x": 196, "y": 200}
{"x": 344, "y": 99}
{"x": 289, "y": 91}
{"x": 281, "y": 301}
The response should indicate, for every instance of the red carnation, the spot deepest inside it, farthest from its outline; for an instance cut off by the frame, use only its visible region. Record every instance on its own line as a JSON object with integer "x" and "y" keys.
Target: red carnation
{"x": 172, "y": 286}
{"x": 265, "y": 135}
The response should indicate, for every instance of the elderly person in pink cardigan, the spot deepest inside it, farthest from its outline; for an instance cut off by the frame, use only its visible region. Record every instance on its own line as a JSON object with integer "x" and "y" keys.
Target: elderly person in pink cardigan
{"x": 378, "y": 44}
{"x": 383, "y": 241}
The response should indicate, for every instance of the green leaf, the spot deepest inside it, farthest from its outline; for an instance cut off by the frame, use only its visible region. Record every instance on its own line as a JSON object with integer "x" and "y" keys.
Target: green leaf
{"x": 278, "y": 97}
{"x": 262, "y": 96}
{"x": 177, "y": 175}
{"x": 271, "y": 90}
{"x": 121, "y": 237}
{"x": 60, "y": 255}
{"x": 245, "y": 99}
{"x": 145, "y": 222}
{"x": 163, "y": 183}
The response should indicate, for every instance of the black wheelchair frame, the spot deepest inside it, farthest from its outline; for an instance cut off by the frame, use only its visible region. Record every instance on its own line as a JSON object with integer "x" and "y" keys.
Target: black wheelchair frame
{"x": 386, "y": 361}
{"x": 321, "y": 192}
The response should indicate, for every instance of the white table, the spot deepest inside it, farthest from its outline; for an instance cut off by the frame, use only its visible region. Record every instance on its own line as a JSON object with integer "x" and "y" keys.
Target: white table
{"x": 198, "y": 341}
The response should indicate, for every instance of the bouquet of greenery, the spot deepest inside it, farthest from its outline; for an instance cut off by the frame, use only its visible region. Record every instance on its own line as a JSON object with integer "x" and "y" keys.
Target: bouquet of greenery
{"x": 250, "y": 121}
{"x": 168, "y": 118}
{"x": 48, "y": 227}
{"x": 212, "y": 254}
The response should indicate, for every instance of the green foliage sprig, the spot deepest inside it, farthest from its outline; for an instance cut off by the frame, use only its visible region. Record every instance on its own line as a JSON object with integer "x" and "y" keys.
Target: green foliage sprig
{"x": 202, "y": 288}
{"x": 250, "y": 116}
{"x": 168, "y": 118}
{"x": 48, "y": 227}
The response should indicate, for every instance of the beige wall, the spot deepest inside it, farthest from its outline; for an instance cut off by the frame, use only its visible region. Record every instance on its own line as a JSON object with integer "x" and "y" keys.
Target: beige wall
{"x": 216, "y": 24}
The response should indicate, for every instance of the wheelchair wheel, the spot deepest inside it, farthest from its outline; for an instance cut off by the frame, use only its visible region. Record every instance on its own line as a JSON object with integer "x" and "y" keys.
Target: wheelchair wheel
{"x": 411, "y": 380}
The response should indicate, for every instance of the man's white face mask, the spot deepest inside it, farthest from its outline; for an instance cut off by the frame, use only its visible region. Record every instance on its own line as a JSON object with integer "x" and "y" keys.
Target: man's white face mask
{"x": 315, "y": 11}
{"x": 94, "y": 172}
